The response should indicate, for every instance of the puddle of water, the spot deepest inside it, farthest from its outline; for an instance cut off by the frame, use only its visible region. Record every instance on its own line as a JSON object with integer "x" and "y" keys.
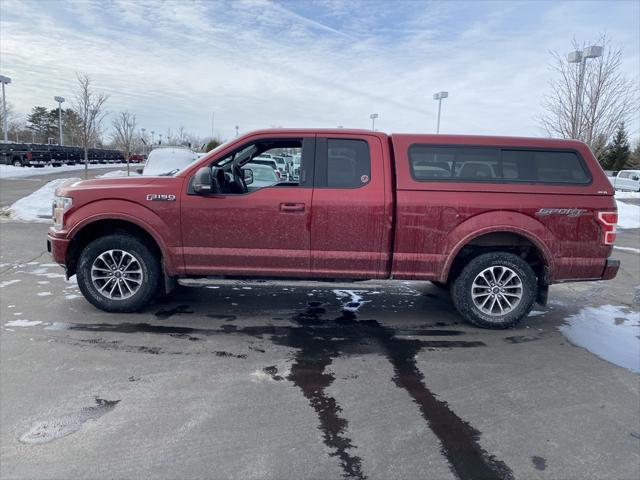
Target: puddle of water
{"x": 58, "y": 427}
{"x": 318, "y": 341}
{"x": 539, "y": 462}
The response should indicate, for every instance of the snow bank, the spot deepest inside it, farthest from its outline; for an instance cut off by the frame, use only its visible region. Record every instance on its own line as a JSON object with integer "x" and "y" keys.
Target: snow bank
{"x": 620, "y": 194}
{"x": 628, "y": 215}
{"x": 37, "y": 206}
{"x": 9, "y": 171}
{"x": 608, "y": 332}
{"x": 22, "y": 323}
{"x": 119, "y": 173}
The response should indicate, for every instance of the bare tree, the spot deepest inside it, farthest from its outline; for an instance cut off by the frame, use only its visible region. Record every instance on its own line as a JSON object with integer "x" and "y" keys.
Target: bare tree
{"x": 124, "y": 127}
{"x": 89, "y": 106}
{"x": 608, "y": 98}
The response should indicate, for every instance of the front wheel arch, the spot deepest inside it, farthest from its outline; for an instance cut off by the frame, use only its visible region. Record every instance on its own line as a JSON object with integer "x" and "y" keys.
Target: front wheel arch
{"x": 100, "y": 228}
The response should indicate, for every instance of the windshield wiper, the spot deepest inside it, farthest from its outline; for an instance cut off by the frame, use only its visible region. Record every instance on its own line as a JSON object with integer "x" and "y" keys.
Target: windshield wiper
{"x": 168, "y": 174}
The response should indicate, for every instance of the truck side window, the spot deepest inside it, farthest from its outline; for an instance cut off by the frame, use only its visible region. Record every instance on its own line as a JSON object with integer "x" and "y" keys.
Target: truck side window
{"x": 543, "y": 167}
{"x": 348, "y": 163}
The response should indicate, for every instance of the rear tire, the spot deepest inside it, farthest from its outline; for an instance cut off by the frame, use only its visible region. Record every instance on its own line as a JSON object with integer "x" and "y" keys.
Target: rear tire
{"x": 495, "y": 290}
{"x": 118, "y": 273}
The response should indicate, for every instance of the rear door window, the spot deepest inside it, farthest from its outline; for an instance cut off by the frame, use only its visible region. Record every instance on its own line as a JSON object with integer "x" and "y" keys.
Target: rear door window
{"x": 454, "y": 163}
{"x": 342, "y": 163}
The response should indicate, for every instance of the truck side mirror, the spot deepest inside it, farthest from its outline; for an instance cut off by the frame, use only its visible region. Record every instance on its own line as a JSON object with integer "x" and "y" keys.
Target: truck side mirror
{"x": 635, "y": 178}
{"x": 202, "y": 181}
{"x": 248, "y": 175}
{"x": 139, "y": 171}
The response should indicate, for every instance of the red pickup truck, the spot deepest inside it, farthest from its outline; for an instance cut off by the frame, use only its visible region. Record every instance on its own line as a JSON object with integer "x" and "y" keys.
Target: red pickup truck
{"x": 495, "y": 219}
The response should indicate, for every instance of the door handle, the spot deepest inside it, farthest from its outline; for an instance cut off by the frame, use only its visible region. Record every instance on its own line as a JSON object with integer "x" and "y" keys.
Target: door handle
{"x": 292, "y": 207}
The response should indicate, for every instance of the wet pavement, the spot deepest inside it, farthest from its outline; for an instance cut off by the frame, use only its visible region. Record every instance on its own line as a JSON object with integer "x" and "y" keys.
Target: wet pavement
{"x": 366, "y": 380}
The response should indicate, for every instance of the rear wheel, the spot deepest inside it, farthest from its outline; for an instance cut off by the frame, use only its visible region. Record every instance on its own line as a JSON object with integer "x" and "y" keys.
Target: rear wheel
{"x": 17, "y": 163}
{"x": 495, "y": 290}
{"x": 118, "y": 273}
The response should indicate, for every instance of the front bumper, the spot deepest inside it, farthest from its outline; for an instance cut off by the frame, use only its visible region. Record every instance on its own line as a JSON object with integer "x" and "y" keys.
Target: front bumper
{"x": 58, "y": 248}
{"x": 611, "y": 268}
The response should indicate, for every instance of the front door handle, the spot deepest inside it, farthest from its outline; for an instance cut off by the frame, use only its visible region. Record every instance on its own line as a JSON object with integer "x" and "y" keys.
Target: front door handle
{"x": 292, "y": 207}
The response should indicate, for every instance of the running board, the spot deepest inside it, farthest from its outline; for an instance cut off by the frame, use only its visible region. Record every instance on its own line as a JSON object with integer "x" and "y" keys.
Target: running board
{"x": 259, "y": 282}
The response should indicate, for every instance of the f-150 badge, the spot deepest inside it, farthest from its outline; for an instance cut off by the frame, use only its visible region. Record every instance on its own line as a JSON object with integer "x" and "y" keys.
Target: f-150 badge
{"x": 161, "y": 197}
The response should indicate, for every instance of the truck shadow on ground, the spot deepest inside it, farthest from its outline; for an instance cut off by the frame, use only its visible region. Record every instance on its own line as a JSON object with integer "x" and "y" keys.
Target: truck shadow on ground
{"x": 319, "y": 339}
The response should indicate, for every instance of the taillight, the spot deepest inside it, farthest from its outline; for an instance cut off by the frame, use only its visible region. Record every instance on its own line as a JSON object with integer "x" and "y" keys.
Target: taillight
{"x": 29, "y": 155}
{"x": 608, "y": 221}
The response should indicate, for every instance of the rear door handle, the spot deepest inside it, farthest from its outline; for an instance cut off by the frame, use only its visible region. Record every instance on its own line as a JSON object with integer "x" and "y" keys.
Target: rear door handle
{"x": 292, "y": 207}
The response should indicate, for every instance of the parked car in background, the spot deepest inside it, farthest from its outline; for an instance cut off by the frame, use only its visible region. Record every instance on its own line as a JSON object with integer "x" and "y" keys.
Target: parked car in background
{"x": 263, "y": 175}
{"x": 16, "y": 154}
{"x": 168, "y": 161}
{"x": 627, "y": 180}
{"x": 269, "y": 162}
{"x": 136, "y": 158}
{"x": 494, "y": 219}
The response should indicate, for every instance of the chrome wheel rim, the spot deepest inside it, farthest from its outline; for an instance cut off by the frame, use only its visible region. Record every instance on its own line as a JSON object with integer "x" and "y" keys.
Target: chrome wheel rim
{"x": 116, "y": 274}
{"x": 496, "y": 290}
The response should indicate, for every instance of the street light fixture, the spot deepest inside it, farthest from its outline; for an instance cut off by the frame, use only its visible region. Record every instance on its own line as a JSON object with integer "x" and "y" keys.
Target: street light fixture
{"x": 439, "y": 96}
{"x": 5, "y": 81}
{"x": 60, "y": 101}
{"x": 580, "y": 57}
{"x": 237, "y": 129}
{"x": 373, "y": 117}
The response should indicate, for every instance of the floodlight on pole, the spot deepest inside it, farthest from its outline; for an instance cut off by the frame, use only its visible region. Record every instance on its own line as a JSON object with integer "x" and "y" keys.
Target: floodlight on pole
{"x": 60, "y": 101}
{"x": 5, "y": 81}
{"x": 439, "y": 96}
{"x": 373, "y": 117}
{"x": 580, "y": 57}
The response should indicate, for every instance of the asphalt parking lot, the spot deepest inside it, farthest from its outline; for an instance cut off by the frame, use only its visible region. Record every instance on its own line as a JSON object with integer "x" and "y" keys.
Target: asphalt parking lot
{"x": 268, "y": 380}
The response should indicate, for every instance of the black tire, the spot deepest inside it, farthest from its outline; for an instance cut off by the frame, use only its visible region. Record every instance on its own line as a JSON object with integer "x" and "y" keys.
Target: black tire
{"x": 461, "y": 292}
{"x": 17, "y": 163}
{"x": 149, "y": 265}
{"x": 442, "y": 286}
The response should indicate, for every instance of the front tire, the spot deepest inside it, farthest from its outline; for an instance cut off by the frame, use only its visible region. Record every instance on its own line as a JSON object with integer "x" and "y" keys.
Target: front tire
{"x": 118, "y": 273}
{"x": 495, "y": 290}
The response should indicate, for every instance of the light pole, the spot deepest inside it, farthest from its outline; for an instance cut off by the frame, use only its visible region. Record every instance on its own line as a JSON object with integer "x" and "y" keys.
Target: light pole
{"x": 160, "y": 141}
{"x": 144, "y": 142}
{"x": 580, "y": 57}
{"x": 237, "y": 128}
{"x": 60, "y": 101}
{"x": 5, "y": 81}
{"x": 373, "y": 117}
{"x": 439, "y": 96}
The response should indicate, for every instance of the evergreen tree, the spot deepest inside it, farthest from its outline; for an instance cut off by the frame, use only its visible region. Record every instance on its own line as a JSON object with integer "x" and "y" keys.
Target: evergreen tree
{"x": 39, "y": 122}
{"x": 634, "y": 158}
{"x": 213, "y": 144}
{"x": 618, "y": 151}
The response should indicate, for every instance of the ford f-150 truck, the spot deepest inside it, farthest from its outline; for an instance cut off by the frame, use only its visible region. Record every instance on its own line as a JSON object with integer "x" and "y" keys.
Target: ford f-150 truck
{"x": 495, "y": 219}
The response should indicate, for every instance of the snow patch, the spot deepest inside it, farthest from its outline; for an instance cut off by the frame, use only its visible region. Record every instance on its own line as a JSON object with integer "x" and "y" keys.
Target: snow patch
{"x": 620, "y": 194}
{"x": 608, "y": 332}
{"x": 22, "y": 323}
{"x": 37, "y": 206}
{"x": 44, "y": 294}
{"x": 628, "y": 215}
{"x": 354, "y": 301}
{"x": 6, "y": 283}
{"x": 627, "y": 249}
{"x": 119, "y": 173}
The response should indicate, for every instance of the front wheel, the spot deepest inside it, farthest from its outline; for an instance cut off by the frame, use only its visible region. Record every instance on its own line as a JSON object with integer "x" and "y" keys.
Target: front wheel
{"x": 495, "y": 290}
{"x": 118, "y": 273}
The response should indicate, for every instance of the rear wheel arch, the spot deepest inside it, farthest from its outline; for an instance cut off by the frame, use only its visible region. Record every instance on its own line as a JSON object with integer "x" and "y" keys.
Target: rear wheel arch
{"x": 528, "y": 247}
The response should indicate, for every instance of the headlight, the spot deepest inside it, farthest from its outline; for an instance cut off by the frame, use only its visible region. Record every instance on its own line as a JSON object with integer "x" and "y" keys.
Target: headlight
{"x": 60, "y": 206}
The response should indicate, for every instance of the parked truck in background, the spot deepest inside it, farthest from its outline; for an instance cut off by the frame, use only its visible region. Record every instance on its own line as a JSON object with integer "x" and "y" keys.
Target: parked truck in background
{"x": 495, "y": 219}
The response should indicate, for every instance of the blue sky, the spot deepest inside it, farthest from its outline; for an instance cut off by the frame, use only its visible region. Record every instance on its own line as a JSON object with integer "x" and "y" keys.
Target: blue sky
{"x": 260, "y": 63}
